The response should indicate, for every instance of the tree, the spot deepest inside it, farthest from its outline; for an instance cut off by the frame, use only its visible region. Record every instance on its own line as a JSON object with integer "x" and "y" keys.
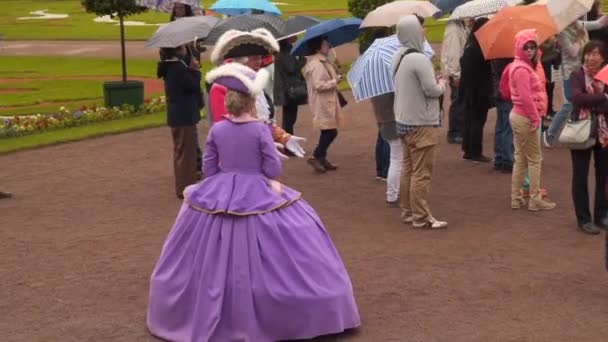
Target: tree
{"x": 115, "y": 8}
{"x": 359, "y": 9}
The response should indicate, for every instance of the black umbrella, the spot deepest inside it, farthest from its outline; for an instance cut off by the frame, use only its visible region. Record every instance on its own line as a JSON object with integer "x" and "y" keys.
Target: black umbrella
{"x": 297, "y": 24}
{"x": 248, "y": 22}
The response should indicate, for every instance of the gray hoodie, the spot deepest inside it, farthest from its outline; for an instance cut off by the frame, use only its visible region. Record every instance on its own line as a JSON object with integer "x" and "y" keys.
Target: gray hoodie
{"x": 417, "y": 91}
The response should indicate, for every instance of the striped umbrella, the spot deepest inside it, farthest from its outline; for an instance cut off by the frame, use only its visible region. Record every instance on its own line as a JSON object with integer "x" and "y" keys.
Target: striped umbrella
{"x": 370, "y": 75}
{"x": 248, "y": 22}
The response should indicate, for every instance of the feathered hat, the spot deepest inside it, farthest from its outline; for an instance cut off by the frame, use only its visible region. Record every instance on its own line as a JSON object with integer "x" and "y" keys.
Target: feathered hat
{"x": 238, "y": 77}
{"x": 235, "y": 43}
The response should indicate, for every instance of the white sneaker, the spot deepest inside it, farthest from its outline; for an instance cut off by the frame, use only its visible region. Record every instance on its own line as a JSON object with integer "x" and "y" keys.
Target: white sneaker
{"x": 432, "y": 223}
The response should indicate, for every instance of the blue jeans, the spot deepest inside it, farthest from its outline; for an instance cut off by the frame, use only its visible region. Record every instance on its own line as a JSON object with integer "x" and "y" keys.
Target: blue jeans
{"x": 383, "y": 157}
{"x": 564, "y": 113}
{"x": 503, "y": 135}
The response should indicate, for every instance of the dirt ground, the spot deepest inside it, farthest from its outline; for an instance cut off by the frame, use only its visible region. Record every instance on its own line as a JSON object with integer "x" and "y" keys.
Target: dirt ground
{"x": 80, "y": 238}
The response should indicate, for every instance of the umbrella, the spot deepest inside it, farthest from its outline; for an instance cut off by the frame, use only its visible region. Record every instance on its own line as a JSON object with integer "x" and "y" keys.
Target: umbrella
{"x": 245, "y": 23}
{"x": 167, "y": 5}
{"x": 602, "y": 75}
{"x": 370, "y": 75}
{"x": 388, "y": 15}
{"x": 337, "y": 31}
{"x": 448, "y": 6}
{"x": 239, "y": 7}
{"x": 565, "y": 12}
{"x": 297, "y": 25}
{"x": 182, "y": 31}
{"x": 478, "y": 8}
{"x": 497, "y": 36}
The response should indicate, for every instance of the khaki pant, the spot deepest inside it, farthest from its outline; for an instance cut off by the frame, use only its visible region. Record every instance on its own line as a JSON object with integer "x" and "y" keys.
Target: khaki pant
{"x": 184, "y": 157}
{"x": 528, "y": 156}
{"x": 418, "y": 159}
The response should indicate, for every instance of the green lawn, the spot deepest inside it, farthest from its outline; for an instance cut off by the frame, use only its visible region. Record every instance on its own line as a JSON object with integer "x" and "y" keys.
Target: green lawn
{"x": 80, "y": 26}
{"x": 81, "y": 132}
{"x": 34, "y": 66}
{"x": 35, "y": 92}
{"x": 66, "y": 90}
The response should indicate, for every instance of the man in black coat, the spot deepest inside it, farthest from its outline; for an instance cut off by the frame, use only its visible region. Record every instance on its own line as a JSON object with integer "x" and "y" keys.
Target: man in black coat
{"x": 288, "y": 72}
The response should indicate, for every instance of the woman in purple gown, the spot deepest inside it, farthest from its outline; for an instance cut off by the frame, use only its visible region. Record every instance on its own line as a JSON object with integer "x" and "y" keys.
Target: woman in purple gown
{"x": 247, "y": 259}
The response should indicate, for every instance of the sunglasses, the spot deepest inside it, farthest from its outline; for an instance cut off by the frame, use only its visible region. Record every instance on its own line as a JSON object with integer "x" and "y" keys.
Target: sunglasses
{"x": 532, "y": 47}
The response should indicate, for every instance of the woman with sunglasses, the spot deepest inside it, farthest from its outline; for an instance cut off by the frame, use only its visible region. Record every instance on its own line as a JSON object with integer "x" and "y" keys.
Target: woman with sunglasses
{"x": 529, "y": 96}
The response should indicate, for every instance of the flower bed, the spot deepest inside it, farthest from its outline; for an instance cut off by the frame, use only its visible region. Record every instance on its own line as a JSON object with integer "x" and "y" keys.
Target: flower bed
{"x": 20, "y": 125}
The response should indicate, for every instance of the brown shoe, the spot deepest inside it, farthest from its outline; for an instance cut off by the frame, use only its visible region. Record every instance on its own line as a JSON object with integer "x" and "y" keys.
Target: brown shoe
{"x": 329, "y": 166}
{"x": 540, "y": 205}
{"x": 317, "y": 165}
{"x": 5, "y": 194}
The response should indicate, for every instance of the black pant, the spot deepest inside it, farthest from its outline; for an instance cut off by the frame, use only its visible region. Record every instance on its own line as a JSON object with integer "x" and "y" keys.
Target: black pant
{"x": 383, "y": 157}
{"x": 290, "y": 116}
{"x": 472, "y": 137}
{"x": 327, "y": 137}
{"x": 199, "y": 152}
{"x": 550, "y": 87}
{"x": 580, "y": 193}
{"x": 455, "y": 117}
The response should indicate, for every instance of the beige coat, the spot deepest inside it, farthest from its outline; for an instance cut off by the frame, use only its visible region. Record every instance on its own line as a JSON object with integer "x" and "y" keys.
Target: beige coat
{"x": 321, "y": 81}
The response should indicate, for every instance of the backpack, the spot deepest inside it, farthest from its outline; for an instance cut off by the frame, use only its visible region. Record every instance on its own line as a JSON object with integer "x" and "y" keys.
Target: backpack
{"x": 504, "y": 88}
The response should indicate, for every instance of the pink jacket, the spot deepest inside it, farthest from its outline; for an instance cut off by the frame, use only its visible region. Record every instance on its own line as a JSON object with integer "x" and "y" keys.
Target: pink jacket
{"x": 527, "y": 85}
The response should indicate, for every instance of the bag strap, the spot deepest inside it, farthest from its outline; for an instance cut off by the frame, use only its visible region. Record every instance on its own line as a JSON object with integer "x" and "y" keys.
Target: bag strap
{"x": 326, "y": 68}
{"x": 407, "y": 52}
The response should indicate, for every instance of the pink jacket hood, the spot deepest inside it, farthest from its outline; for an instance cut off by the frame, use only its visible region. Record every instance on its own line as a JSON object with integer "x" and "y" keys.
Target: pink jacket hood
{"x": 521, "y": 39}
{"x": 526, "y": 82}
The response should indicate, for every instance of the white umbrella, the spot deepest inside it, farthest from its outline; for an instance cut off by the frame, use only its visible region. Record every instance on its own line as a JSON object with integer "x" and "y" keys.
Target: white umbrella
{"x": 389, "y": 14}
{"x": 478, "y": 8}
{"x": 565, "y": 12}
{"x": 182, "y": 31}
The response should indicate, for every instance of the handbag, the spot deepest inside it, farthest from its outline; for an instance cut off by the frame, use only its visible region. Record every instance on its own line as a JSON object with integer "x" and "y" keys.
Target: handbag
{"x": 297, "y": 92}
{"x": 341, "y": 99}
{"x": 579, "y": 134}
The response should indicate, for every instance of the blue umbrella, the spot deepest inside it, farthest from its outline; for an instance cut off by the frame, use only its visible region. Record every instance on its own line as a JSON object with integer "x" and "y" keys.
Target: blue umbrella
{"x": 370, "y": 75}
{"x": 239, "y": 7}
{"x": 447, "y": 6}
{"x": 337, "y": 31}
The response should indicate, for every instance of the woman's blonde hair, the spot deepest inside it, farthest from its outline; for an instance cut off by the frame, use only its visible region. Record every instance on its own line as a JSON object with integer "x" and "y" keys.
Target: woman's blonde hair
{"x": 237, "y": 103}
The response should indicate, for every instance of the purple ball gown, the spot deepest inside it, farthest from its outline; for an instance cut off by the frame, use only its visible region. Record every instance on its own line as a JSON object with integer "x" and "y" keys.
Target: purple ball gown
{"x": 243, "y": 262}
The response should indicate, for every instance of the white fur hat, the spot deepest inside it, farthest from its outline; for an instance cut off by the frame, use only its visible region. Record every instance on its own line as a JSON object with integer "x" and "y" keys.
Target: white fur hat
{"x": 234, "y": 43}
{"x": 238, "y": 77}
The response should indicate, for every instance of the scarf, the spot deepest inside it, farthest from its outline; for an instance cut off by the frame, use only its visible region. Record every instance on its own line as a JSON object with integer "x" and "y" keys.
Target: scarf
{"x": 593, "y": 86}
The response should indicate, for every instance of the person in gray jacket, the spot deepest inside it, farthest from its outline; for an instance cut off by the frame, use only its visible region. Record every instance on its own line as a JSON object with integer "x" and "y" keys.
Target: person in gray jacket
{"x": 417, "y": 115}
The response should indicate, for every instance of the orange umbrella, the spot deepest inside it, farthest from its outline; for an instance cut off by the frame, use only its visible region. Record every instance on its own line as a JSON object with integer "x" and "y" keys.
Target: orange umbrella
{"x": 497, "y": 36}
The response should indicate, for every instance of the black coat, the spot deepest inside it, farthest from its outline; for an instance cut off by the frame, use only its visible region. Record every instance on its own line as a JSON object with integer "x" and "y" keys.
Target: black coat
{"x": 476, "y": 89}
{"x": 182, "y": 91}
{"x": 287, "y": 69}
